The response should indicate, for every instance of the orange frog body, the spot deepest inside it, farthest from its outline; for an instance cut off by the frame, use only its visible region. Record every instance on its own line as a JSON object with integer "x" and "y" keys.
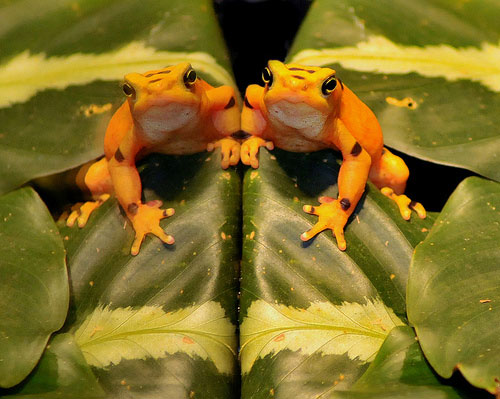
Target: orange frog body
{"x": 169, "y": 111}
{"x": 303, "y": 109}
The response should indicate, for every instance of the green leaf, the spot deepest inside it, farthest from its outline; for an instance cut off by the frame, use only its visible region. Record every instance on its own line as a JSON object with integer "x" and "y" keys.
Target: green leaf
{"x": 432, "y": 79}
{"x": 33, "y": 286}
{"x": 163, "y": 321}
{"x": 354, "y": 329}
{"x": 453, "y": 291}
{"x": 61, "y": 373}
{"x": 60, "y": 68}
{"x": 400, "y": 371}
{"x": 202, "y": 331}
{"x": 313, "y": 317}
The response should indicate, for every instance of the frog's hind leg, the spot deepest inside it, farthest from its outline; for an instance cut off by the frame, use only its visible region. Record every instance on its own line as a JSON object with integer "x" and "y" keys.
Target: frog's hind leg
{"x": 390, "y": 174}
{"x": 96, "y": 178}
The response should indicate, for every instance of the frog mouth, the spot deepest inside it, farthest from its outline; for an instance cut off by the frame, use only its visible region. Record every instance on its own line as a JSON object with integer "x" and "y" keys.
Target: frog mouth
{"x": 299, "y": 116}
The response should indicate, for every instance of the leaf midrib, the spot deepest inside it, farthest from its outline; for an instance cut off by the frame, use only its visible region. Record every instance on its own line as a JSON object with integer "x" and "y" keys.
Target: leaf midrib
{"x": 160, "y": 330}
{"x": 310, "y": 327}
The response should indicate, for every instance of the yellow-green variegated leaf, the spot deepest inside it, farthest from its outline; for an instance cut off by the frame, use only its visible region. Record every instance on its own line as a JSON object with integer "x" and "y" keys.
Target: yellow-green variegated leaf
{"x": 355, "y": 329}
{"x": 313, "y": 318}
{"x": 108, "y": 336}
{"x": 429, "y": 70}
{"x": 164, "y": 320}
{"x": 400, "y": 371}
{"x": 60, "y": 67}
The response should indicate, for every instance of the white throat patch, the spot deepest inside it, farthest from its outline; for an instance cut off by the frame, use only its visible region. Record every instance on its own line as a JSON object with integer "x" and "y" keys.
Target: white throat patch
{"x": 160, "y": 120}
{"x": 308, "y": 120}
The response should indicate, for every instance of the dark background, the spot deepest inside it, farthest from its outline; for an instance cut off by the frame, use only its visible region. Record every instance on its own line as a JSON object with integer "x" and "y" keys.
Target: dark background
{"x": 256, "y": 31}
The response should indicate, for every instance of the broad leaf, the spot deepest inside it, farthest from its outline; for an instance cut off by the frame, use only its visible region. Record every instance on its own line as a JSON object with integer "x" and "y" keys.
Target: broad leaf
{"x": 165, "y": 320}
{"x": 400, "y": 371}
{"x": 33, "y": 283}
{"x": 60, "y": 67}
{"x": 313, "y": 317}
{"x": 354, "y": 329}
{"x": 61, "y": 373}
{"x": 202, "y": 331}
{"x": 432, "y": 78}
{"x": 453, "y": 291}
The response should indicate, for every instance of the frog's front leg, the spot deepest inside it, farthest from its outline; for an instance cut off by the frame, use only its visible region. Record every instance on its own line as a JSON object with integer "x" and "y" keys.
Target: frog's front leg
{"x": 334, "y": 213}
{"x": 390, "y": 174}
{"x": 253, "y": 123}
{"x": 145, "y": 217}
{"x": 225, "y": 114}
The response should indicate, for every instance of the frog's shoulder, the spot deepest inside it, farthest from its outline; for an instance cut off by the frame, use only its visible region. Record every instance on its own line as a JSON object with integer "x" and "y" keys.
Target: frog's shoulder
{"x": 204, "y": 85}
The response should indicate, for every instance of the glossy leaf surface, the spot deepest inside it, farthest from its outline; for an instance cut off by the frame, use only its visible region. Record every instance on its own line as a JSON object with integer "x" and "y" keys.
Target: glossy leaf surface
{"x": 432, "y": 78}
{"x": 313, "y": 317}
{"x": 61, "y": 373}
{"x": 33, "y": 283}
{"x": 61, "y": 62}
{"x": 453, "y": 293}
{"x": 400, "y": 371}
{"x": 163, "y": 321}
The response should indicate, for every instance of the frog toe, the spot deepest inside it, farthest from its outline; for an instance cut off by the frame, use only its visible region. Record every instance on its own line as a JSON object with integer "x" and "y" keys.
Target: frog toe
{"x": 319, "y": 227}
{"x": 73, "y": 216}
{"x": 405, "y": 204}
{"x": 418, "y": 208}
{"x": 139, "y": 238}
{"x": 81, "y": 213}
{"x": 230, "y": 151}
{"x": 316, "y": 229}
{"x": 250, "y": 150}
{"x": 248, "y": 156}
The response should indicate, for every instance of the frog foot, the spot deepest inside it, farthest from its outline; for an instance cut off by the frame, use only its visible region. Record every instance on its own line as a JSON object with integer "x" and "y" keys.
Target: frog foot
{"x": 331, "y": 216}
{"x": 146, "y": 219}
{"x": 405, "y": 204}
{"x": 229, "y": 149}
{"x": 81, "y": 213}
{"x": 250, "y": 150}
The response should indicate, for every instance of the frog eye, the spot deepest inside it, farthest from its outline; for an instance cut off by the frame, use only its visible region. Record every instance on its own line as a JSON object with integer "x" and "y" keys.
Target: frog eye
{"x": 267, "y": 76}
{"x": 128, "y": 89}
{"x": 329, "y": 85}
{"x": 190, "y": 78}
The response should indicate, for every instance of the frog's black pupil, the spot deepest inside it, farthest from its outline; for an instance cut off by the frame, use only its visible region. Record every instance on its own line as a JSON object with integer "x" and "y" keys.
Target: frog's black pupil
{"x": 267, "y": 76}
{"x": 190, "y": 77}
{"x": 329, "y": 85}
{"x": 128, "y": 90}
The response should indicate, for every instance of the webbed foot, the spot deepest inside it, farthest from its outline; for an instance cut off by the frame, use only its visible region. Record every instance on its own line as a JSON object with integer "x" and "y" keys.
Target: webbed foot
{"x": 250, "y": 150}
{"x": 146, "y": 219}
{"x": 405, "y": 204}
{"x": 331, "y": 216}
{"x": 230, "y": 151}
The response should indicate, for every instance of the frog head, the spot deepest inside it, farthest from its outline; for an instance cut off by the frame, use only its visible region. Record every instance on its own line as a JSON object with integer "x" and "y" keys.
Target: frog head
{"x": 301, "y": 97}
{"x": 165, "y": 99}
